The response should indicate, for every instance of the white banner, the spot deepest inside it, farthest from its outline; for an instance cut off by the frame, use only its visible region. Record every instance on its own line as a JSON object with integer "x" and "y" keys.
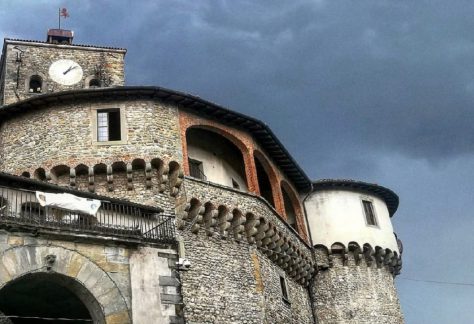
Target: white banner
{"x": 69, "y": 202}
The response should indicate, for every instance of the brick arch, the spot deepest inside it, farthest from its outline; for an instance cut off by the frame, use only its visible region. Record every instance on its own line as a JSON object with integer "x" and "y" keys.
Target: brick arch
{"x": 300, "y": 223}
{"x": 19, "y": 261}
{"x": 239, "y": 138}
{"x": 274, "y": 181}
{"x": 242, "y": 142}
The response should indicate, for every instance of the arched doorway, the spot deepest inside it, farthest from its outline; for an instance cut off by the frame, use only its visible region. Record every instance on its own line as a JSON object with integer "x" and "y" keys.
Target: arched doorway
{"x": 41, "y": 297}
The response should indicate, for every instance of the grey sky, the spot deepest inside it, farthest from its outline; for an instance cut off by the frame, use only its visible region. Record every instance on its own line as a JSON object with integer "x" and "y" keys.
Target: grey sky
{"x": 380, "y": 91}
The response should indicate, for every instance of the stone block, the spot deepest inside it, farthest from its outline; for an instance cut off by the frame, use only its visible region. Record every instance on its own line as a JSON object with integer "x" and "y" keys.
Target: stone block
{"x": 15, "y": 240}
{"x": 75, "y": 265}
{"x": 171, "y": 299}
{"x": 168, "y": 281}
{"x": 176, "y": 320}
{"x": 118, "y": 318}
{"x": 112, "y": 302}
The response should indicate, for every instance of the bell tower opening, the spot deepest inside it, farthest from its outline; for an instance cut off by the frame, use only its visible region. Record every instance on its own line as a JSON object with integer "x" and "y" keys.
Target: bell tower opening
{"x": 60, "y": 36}
{"x": 48, "y": 298}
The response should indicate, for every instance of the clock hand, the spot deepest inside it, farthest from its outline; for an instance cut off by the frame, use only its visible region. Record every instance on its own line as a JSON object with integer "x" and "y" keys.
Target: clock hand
{"x": 70, "y": 68}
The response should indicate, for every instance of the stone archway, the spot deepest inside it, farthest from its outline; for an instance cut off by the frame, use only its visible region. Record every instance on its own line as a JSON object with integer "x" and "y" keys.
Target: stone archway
{"x": 44, "y": 296}
{"x": 68, "y": 269}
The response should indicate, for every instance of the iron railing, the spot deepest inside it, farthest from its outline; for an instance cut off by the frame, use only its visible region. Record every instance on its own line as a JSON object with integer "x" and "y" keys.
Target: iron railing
{"x": 20, "y": 207}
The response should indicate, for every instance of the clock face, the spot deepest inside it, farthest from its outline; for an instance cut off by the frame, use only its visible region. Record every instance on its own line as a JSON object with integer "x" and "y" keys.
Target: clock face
{"x": 65, "y": 72}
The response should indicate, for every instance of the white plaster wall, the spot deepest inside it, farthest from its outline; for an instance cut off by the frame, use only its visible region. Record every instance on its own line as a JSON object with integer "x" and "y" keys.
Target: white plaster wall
{"x": 338, "y": 216}
{"x": 218, "y": 161}
{"x": 146, "y": 267}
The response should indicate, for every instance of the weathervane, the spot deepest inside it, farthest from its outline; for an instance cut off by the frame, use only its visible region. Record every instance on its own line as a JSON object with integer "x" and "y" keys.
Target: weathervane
{"x": 62, "y": 13}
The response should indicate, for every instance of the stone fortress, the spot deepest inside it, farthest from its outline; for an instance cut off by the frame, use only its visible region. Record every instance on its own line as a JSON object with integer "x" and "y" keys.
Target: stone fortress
{"x": 205, "y": 217}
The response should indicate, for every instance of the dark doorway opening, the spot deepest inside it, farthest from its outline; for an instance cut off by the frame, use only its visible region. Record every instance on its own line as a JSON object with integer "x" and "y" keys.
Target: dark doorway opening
{"x": 40, "y": 297}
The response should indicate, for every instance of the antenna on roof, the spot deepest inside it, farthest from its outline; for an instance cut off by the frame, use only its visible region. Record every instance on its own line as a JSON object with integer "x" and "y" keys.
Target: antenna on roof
{"x": 62, "y": 13}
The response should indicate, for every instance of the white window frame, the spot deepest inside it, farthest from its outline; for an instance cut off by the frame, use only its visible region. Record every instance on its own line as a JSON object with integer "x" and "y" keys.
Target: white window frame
{"x": 123, "y": 124}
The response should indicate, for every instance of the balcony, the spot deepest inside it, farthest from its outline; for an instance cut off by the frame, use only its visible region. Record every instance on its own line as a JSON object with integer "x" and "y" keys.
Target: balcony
{"x": 115, "y": 220}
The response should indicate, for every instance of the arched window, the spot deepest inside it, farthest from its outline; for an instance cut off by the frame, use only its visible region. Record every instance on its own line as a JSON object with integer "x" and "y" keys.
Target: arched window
{"x": 213, "y": 157}
{"x": 289, "y": 209}
{"x": 291, "y": 204}
{"x": 94, "y": 83}
{"x": 264, "y": 183}
{"x": 36, "y": 84}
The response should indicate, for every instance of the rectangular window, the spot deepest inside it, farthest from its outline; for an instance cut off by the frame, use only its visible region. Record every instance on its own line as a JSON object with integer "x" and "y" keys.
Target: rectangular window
{"x": 108, "y": 125}
{"x": 369, "y": 213}
{"x": 195, "y": 169}
{"x": 284, "y": 289}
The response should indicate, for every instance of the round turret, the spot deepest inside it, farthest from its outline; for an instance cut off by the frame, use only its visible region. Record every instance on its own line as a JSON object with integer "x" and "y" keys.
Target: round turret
{"x": 346, "y": 211}
{"x": 356, "y": 252}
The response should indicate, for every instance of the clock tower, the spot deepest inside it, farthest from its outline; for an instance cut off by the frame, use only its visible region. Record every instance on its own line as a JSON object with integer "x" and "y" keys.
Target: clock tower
{"x": 30, "y": 68}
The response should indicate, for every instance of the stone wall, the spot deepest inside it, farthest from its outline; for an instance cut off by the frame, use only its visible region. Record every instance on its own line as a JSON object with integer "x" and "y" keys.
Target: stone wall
{"x": 62, "y": 136}
{"x": 37, "y": 58}
{"x": 231, "y": 280}
{"x": 107, "y": 271}
{"x": 355, "y": 291}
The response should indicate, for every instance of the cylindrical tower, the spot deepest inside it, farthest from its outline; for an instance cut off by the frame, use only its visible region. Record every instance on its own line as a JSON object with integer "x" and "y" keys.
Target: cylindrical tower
{"x": 357, "y": 252}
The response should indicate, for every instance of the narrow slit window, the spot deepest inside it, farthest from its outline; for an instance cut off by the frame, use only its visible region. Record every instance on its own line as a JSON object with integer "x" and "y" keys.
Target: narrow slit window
{"x": 369, "y": 213}
{"x": 284, "y": 289}
{"x": 108, "y": 125}
{"x": 195, "y": 169}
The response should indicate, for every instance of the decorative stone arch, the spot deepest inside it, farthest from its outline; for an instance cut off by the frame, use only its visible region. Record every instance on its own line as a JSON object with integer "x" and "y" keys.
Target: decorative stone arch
{"x": 274, "y": 181}
{"x": 240, "y": 139}
{"x": 39, "y": 77}
{"x": 109, "y": 304}
{"x": 92, "y": 81}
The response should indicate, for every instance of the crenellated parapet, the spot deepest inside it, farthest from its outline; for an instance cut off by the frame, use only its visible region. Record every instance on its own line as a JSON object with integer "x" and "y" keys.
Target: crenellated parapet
{"x": 355, "y": 255}
{"x": 217, "y": 219}
{"x": 152, "y": 174}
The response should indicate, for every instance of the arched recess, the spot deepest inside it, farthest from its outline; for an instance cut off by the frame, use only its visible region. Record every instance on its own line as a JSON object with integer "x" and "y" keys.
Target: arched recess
{"x": 100, "y": 174}
{"x": 40, "y": 174}
{"x": 92, "y": 82}
{"x": 60, "y": 174}
{"x": 268, "y": 182}
{"x": 69, "y": 269}
{"x": 293, "y": 210}
{"x": 34, "y": 83}
{"x": 82, "y": 176}
{"x": 216, "y": 157}
{"x": 138, "y": 167}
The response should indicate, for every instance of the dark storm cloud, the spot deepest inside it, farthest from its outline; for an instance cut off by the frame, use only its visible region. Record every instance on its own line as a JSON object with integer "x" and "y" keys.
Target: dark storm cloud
{"x": 396, "y": 76}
